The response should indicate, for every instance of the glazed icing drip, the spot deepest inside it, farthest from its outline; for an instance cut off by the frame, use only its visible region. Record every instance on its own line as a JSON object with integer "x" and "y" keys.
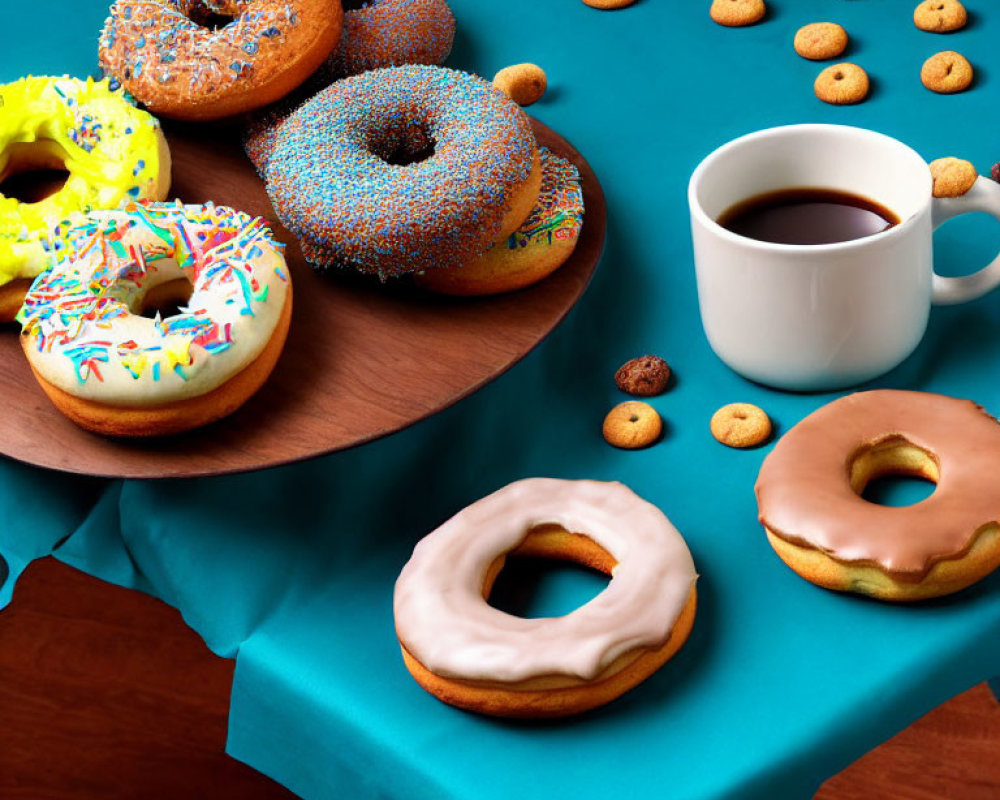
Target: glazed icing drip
{"x": 804, "y": 493}
{"x": 110, "y": 149}
{"x": 81, "y": 316}
{"x": 444, "y": 622}
{"x": 330, "y": 182}
{"x": 390, "y": 33}
{"x": 152, "y": 46}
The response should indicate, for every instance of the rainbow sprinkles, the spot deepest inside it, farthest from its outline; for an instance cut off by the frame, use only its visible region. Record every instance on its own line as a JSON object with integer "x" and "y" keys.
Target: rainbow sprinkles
{"x": 82, "y": 318}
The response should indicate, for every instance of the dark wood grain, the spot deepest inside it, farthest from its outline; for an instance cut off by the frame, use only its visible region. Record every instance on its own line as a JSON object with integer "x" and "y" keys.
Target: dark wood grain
{"x": 105, "y": 693}
{"x": 953, "y": 752}
{"x": 362, "y": 360}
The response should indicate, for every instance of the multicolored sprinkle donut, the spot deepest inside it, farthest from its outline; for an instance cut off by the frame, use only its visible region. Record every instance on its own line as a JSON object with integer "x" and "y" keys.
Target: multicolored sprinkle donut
{"x": 208, "y": 59}
{"x": 116, "y": 372}
{"x": 404, "y": 169}
{"x": 543, "y": 243}
{"x": 112, "y": 151}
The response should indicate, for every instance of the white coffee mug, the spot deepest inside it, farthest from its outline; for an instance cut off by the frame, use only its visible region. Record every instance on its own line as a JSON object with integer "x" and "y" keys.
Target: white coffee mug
{"x": 824, "y": 316}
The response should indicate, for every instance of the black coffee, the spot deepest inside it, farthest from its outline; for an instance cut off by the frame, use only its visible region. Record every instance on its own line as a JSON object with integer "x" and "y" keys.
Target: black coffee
{"x": 807, "y": 216}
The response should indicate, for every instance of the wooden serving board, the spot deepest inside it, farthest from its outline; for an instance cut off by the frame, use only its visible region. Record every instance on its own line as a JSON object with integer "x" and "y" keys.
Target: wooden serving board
{"x": 362, "y": 359}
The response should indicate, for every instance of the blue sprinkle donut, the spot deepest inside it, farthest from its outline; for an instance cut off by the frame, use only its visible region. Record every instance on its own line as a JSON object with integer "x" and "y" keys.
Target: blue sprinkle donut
{"x": 404, "y": 169}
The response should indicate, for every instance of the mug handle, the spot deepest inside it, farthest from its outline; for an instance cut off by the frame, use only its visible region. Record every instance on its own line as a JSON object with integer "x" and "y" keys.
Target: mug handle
{"x": 983, "y": 196}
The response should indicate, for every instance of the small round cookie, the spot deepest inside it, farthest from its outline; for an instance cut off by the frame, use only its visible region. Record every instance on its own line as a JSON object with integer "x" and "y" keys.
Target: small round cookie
{"x": 940, "y": 16}
{"x": 737, "y": 13}
{"x": 632, "y": 425}
{"x": 842, "y": 84}
{"x": 953, "y": 177}
{"x": 523, "y": 83}
{"x": 608, "y": 5}
{"x": 644, "y": 376}
{"x": 740, "y": 425}
{"x": 471, "y": 655}
{"x": 819, "y": 41}
{"x": 947, "y": 72}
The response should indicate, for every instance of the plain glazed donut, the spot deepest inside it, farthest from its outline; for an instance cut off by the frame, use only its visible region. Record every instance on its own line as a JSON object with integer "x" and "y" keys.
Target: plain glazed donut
{"x": 390, "y": 33}
{"x": 471, "y": 655}
{"x": 404, "y": 169}
{"x": 115, "y": 372}
{"x": 172, "y": 57}
{"x": 112, "y": 152}
{"x": 809, "y": 495}
{"x": 543, "y": 243}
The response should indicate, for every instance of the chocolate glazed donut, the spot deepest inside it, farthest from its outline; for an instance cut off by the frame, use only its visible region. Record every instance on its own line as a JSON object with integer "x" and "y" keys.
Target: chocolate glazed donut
{"x": 810, "y": 504}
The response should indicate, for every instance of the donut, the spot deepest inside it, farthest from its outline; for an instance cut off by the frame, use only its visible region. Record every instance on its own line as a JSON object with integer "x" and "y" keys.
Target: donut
{"x": 382, "y": 33}
{"x": 209, "y": 59}
{"x": 115, "y": 372}
{"x": 473, "y": 656}
{"x": 390, "y": 33}
{"x": 543, "y": 243}
{"x": 809, "y": 495}
{"x": 112, "y": 152}
{"x": 404, "y": 169}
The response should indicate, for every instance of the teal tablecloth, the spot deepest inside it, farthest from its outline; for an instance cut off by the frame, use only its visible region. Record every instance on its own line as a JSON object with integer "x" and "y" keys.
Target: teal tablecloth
{"x": 291, "y": 570}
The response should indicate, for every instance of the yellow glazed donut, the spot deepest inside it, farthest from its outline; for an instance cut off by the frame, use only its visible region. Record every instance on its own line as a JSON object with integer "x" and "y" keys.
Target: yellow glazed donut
{"x": 112, "y": 151}
{"x": 471, "y": 655}
{"x": 543, "y": 243}
{"x": 115, "y": 372}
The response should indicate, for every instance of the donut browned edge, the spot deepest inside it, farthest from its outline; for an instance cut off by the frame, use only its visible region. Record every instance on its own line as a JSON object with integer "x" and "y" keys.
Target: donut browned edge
{"x": 513, "y": 272}
{"x": 181, "y": 415}
{"x": 522, "y": 200}
{"x": 576, "y": 696}
{"x": 944, "y": 577}
{"x": 12, "y": 298}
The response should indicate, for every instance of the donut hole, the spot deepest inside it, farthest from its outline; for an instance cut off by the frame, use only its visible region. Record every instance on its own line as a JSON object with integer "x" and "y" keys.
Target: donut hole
{"x": 408, "y": 142}
{"x": 550, "y": 574}
{"x": 166, "y": 299}
{"x": 205, "y": 16}
{"x": 34, "y": 171}
{"x": 894, "y": 472}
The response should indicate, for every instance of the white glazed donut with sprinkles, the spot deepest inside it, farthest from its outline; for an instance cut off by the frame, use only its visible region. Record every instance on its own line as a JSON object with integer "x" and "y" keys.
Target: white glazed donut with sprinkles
{"x": 121, "y": 373}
